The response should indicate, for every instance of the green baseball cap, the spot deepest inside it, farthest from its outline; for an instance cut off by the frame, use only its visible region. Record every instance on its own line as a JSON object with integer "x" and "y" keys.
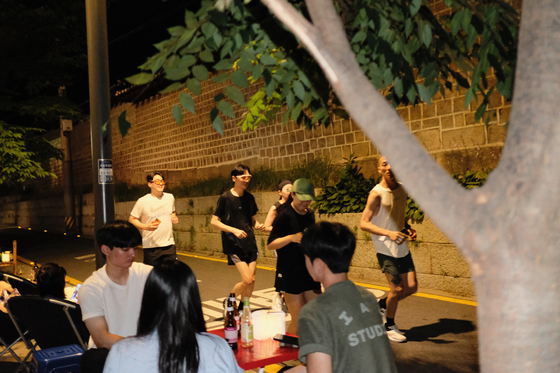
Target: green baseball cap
{"x": 304, "y": 190}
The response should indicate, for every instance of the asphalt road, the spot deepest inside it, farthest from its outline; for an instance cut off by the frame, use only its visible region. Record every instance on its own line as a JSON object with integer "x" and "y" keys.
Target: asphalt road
{"x": 442, "y": 336}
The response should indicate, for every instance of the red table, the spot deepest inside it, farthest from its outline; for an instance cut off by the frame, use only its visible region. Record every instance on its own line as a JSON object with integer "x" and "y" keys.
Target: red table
{"x": 261, "y": 354}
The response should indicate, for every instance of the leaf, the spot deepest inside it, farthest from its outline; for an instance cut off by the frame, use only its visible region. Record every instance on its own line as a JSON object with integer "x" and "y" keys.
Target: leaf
{"x": 220, "y": 78}
{"x": 223, "y": 65}
{"x": 206, "y": 56}
{"x": 172, "y": 87}
{"x": 187, "y": 101}
{"x": 194, "y": 86}
{"x": 415, "y": 7}
{"x": 178, "y": 114}
{"x": 217, "y": 121}
{"x": 424, "y": 94}
{"x": 225, "y": 107}
{"x": 267, "y": 59}
{"x": 200, "y": 72}
{"x": 469, "y": 95}
{"x": 177, "y": 73}
{"x": 427, "y": 35}
{"x": 139, "y": 79}
{"x": 290, "y": 99}
{"x": 480, "y": 112}
{"x": 257, "y": 71}
{"x": 208, "y": 29}
{"x": 296, "y": 111}
{"x": 398, "y": 86}
{"x": 124, "y": 125}
{"x": 299, "y": 89}
{"x": 239, "y": 78}
{"x": 235, "y": 95}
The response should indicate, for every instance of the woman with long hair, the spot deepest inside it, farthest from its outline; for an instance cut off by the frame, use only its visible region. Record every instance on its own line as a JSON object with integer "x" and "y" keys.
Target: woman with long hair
{"x": 172, "y": 334}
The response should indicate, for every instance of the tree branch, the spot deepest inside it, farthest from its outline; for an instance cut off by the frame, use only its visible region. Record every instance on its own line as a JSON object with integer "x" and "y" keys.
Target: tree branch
{"x": 425, "y": 180}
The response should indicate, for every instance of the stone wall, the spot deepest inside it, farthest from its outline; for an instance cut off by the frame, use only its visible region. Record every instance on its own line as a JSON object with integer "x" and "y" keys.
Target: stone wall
{"x": 438, "y": 262}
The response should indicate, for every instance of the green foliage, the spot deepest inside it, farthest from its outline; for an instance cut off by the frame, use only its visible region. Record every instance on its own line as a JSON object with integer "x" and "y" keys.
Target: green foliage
{"x": 395, "y": 42}
{"x": 471, "y": 179}
{"x": 413, "y": 211}
{"x": 22, "y": 150}
{"x": 350, "y": 194}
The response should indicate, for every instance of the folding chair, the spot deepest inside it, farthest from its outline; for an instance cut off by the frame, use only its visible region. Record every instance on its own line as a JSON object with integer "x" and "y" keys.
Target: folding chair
{"x": 51, "y": 322}
{"x": 24, "y": 286}
{"x": 9, "y": 336}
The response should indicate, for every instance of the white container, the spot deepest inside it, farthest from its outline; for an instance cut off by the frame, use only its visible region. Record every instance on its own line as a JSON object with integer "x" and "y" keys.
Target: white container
{"x": 6, "y": 256}
{"x": 266, "y": 324}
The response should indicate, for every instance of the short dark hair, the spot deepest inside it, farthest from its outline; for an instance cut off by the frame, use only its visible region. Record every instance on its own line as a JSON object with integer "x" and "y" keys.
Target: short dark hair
{"x": 118, "y": 233}
{"x": 333, "y": 243}
{"x": 240, "y": 170}
{"x": 51, "y": 280}
{"x": 151, "y": 177}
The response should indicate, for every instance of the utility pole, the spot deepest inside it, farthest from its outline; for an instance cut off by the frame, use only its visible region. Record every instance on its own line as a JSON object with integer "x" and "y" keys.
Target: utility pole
{"x": 66, "y": 143}
{"x": 100, "y": 111}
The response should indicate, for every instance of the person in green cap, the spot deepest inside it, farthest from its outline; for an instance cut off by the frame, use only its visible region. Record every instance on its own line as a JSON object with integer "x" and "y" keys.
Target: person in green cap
{"x": 292, "y": 278}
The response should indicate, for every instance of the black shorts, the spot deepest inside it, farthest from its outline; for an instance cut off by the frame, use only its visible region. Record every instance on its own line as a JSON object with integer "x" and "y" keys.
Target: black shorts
{"x": 242, "y": 256}
{"x": 396, "y": 266}
{"x": 155, "y": 254}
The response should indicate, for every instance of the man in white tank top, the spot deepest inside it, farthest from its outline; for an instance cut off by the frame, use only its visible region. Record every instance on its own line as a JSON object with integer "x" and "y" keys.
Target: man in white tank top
{"x": 384, "y": 218}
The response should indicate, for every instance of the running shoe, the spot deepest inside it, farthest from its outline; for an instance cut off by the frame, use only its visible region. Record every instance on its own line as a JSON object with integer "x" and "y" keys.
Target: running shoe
{"x": 394, "y": 334}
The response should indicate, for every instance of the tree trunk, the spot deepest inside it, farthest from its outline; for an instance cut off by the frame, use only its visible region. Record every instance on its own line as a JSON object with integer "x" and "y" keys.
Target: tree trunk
{"x": 507, "y": 230}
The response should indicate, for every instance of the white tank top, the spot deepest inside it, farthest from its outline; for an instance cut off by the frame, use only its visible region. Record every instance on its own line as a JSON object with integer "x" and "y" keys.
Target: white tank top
{"x": 390, "y": 217}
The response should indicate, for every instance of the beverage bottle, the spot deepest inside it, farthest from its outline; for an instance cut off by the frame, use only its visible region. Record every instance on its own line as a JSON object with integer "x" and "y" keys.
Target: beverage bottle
{"x": 246, "y": 325}
{"x": 32, "y": 272}
{"x": 277, "y": 302}
{"x": 235, "y": 312}
{"x": 230, "y": 330}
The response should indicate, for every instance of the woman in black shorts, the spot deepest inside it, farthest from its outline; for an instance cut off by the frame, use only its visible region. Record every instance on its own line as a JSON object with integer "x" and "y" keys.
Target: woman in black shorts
{"x": 292, "y": 278}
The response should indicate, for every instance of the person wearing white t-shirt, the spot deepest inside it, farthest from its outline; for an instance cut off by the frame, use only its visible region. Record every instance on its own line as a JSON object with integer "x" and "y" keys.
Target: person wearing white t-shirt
{"x": 111, "y": 297}
{"x": 154, "y": 215}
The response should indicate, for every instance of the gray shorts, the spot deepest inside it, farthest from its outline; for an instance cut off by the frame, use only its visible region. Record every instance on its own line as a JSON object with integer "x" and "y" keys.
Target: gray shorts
{"x": 396, "y": 266}
{"x": 244, "y": 257}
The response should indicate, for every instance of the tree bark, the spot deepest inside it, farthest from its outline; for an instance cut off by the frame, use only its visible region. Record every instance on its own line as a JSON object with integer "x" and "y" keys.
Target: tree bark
{"x": 508, "y": 229}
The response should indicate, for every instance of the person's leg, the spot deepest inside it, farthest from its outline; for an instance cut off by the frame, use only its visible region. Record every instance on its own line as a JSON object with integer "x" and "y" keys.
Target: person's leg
{"x": 247, "y": 272}
{"x": 295, "y": 303}
{"x": 409, "y": 284}
{"x": 395, "y": 293}
{"x": 150, "y": 256}
{"x": 166, "y": 253}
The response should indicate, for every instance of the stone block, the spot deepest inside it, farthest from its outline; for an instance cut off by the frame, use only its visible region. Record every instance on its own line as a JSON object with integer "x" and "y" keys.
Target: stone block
{"x": 430, "y": 123}
{"x": 364, "y": 256}
{"x": 207, "y": 242}
{"x": 428, "y": 111}
{"x": 459, "y": 286}
{"x": 429, "y": 139}
{"x": 421, "y": 254}
{"x": 361, "y": 150}
{"x": 185, "y": 223}
{"x": 444, "y": 107}
{"x": 496, "y": 133}
{"x": 447, "y": 261}
{"x": 427, "y": 232}
{"x": 447, "y": 122}
{"x": 415, "y": 113}
{"x": 461, "y": 137}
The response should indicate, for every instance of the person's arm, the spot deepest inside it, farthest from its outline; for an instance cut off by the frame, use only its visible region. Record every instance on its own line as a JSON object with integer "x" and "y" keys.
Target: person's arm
{"x": 372, "y": 209}
{"x": 272, "y": 213}
{"x": 283, "y": 241}
{"x": 257, "y": 225}
{"x": 174, "y": 218}
{"x": 99, "y": 331}
{"x": 217, "y": 223}
{"x": 318, "y": 362}
{"x": 138, "y": 224}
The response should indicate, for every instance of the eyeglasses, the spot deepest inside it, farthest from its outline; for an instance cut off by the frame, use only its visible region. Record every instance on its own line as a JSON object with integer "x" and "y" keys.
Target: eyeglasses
{"x": 159, "y": 182}
{"x": 245, "y": 177}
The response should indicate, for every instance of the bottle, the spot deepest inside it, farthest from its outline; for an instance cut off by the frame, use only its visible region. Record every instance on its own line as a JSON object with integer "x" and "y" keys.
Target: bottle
{"x": 277, "y": 302}
{"x": 230, "y": 330}
{"x": 235, "y": 312}
{"x": 246, "y": 325}
{"x": 32, "y": 271}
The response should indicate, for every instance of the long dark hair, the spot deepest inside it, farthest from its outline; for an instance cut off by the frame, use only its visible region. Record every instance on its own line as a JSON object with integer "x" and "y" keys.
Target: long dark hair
{"x": 171, "y": 306}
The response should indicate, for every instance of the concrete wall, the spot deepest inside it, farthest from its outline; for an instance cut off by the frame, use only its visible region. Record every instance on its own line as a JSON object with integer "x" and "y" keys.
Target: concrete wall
{"x": 438, "y": 263}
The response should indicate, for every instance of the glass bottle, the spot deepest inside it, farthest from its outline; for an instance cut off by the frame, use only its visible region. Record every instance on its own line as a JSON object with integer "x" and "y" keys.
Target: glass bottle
{"x": 235, "y": 312}
{"x": 230, "y": 330}
{"x": 246, "y": 325}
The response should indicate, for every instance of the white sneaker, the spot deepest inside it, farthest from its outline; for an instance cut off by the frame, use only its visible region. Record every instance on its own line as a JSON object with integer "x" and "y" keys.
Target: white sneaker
{"x": 395, "y": 335}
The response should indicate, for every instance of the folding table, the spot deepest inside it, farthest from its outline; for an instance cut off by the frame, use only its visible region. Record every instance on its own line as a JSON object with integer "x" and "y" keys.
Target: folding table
{"x": 261, "y": 354}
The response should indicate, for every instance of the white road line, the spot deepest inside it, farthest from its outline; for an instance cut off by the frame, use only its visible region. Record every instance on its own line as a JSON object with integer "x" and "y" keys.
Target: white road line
{"x": 212, "y": 313}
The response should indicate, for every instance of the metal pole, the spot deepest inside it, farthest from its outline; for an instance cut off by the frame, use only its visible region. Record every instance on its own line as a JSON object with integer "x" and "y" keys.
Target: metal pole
{"x": 66, "y": 144}
{"x": 100, "y": 111}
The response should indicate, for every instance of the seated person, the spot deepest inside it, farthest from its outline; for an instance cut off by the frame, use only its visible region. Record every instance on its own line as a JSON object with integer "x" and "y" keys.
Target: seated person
{"x": 171, "y": 330}
{"x": 51, "y": 280}
{"x": 111, "y": 297}
{"x": 341, "y": 330}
